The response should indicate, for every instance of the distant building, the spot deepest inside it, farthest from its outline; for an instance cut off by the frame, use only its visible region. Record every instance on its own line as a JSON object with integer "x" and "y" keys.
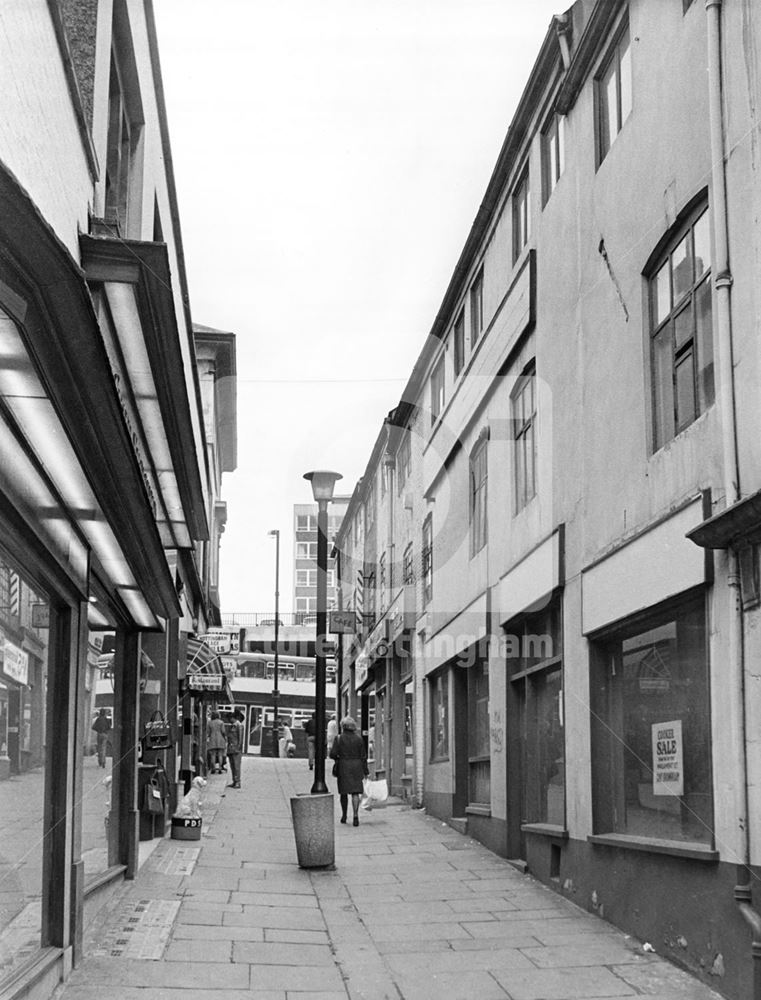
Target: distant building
{"x": 305, "y": 553}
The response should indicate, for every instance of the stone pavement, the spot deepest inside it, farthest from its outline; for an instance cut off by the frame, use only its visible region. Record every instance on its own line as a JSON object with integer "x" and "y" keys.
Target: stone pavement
{"x": 412, "y": 910}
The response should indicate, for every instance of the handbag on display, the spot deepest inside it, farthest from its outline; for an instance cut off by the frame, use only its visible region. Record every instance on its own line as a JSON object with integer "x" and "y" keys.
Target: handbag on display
{"x": 157, "y": 733}
{"x": 153, "y": 801}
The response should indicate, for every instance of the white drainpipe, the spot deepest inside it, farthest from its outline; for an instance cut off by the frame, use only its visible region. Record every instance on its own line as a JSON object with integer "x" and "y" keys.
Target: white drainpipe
{"x": 726, "y": 403}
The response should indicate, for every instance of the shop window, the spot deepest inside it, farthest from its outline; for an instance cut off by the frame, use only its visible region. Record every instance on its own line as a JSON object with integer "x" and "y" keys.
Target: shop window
{"x": 459, "y": 343}
{"x": 26, "y": 659}
{"x": 521, "y": 217}
{"x": 477, "y": 309}
{"x": 614, "y": 94}
{"x": 533, "y": 653}
{"x": 478, "y": 497}
{"x": 524, "y": 424}
{"x": 439, "y": 688}
{"x": 479, "y": 759}
{"x": 427, "y": 554}
{"x": 681, "y": 329}
{"x": 651, "y": 734}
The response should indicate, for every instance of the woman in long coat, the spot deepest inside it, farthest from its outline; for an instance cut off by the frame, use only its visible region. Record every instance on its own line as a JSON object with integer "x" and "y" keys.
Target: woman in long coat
{"x": 348, "y": 751}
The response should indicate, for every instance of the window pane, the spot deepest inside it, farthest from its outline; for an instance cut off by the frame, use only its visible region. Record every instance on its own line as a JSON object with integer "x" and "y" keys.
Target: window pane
{"x": 625, "y": 56}
{"x": 702, "y": 234}
{"x": 663, "y": 389}
{"x": 681, "y": 264}
{"x": 682, "y": 328}
{"x": 662, "y": 294}
{"x": 609, "y": 106}
{"x": 548, "y": 764}
{"x": 685, "y": 390}
{"x": 704, "y": 342}
{"x": 653, "y": 769}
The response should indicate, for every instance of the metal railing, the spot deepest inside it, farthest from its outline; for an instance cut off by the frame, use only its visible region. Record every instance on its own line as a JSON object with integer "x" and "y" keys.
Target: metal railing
{"x": 250, "y": 619}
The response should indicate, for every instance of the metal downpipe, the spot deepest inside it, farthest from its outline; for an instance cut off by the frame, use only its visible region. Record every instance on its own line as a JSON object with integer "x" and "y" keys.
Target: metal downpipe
{"x": 726, "y": 402}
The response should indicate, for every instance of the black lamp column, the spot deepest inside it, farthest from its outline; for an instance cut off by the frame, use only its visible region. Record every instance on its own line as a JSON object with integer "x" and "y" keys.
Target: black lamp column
{"x": 275, "y": 691}
{"x": 319, "y": 785}
{"x": 322, "y": 490}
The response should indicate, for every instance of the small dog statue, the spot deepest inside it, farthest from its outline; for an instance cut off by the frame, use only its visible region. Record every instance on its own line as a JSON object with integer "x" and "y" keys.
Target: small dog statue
{"x": 190, "y": 805}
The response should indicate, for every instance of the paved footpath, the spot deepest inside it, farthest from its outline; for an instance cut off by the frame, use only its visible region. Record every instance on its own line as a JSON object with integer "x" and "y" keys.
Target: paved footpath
{"x": 413, "y": 910}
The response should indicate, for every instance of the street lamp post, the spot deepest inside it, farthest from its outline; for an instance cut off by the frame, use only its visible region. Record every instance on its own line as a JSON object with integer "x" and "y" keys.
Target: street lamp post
{"x": 275, "y": 691}
{"x": 323, "y": 483}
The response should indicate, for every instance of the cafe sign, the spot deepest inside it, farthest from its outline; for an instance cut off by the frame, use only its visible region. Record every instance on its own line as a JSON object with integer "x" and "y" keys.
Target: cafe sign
{"x": 15, "y": 663}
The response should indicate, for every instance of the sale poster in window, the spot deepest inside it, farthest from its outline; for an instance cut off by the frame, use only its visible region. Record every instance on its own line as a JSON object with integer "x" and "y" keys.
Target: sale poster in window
{"x": 668, "y": 759}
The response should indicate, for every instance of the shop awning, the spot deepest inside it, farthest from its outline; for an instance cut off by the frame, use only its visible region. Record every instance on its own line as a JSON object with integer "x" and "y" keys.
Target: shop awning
{"x": 69, "y": 461}
{"x": 205, "y": 670}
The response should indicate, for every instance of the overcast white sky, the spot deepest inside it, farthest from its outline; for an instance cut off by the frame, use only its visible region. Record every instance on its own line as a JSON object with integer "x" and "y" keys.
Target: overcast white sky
{"x": 330, "y": 157}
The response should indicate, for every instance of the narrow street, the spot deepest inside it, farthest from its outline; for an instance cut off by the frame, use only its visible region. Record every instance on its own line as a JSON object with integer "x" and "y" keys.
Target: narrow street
{"x": 413, "y": 910}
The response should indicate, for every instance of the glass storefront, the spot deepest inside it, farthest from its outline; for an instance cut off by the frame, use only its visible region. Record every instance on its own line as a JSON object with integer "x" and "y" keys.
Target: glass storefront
{"x": 651, "y": 751}
{"x": 23, "y": 709}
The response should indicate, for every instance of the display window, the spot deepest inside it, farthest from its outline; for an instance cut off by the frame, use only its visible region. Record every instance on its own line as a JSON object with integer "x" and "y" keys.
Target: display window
{"x": 23, "y": 714}
{"x": 651, "y": 735}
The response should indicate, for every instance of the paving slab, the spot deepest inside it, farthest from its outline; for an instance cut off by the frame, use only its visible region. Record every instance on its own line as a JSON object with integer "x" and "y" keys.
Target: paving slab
{"x": 412, "y": 910}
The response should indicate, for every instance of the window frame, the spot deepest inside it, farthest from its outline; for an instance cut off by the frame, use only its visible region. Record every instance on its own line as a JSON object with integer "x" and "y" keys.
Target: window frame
{"x": 478, "y": 474}
{"x": 611, "y": 784}
{"x": 408, "y": 564}
{"x": 439, "y": 697}
{"x": 438, "y": 397}
{"x": 696, "y": 346}
{"x": 523, "y": 427}
{"x": 614, "y": 59}
{"x": 477, "y": 308}
{"x": 553, "y": 154}
{"x": 458, "y": 342}
{"x": 426, "y": 555}
{"x": 403, "y": 460}
{"x": 521, "y": 215}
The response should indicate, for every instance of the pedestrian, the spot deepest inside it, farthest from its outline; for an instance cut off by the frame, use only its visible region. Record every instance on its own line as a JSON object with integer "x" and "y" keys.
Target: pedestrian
{"x": 286, "y": 746}
{"x": 216, "y": 743}
{"x": 310, "y": 728}
{"x": 102, "y": 727}
{"x": 234, "y": 732}
{"x": 348, "y": 751}
{"x": 331, "y": 734}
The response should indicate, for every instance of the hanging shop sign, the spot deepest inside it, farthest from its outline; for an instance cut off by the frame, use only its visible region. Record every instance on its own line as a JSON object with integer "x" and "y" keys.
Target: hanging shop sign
{"x": 15, "y": 663}
{"x": 668, "y": 758}
{"x": 205, "y": 682}
{"x": 222, "y": 642}
{"x": 343, "y": 622}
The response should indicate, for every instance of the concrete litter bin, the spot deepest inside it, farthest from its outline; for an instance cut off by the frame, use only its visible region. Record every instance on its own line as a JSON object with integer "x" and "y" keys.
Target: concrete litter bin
{"x": 314, "y": 830}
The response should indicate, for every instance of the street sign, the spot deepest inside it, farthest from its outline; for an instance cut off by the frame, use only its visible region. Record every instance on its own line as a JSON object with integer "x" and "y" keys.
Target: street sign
{"x": 343, "y": 622}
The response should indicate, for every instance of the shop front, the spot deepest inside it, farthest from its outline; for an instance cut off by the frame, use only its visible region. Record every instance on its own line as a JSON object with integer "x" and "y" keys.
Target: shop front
{"x": 85, "y": 523}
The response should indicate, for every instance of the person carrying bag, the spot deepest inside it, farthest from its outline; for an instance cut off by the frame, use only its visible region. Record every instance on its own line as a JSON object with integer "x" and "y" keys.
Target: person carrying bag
{"x": 348, "y": 751}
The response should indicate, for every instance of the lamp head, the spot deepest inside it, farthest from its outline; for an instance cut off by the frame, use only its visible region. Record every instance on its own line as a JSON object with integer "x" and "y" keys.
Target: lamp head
{"x": 275, "y": 532}
{"x": 323, "y": 483}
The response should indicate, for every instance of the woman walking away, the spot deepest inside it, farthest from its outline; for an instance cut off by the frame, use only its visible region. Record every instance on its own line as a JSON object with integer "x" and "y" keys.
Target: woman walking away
{"x": 348, "y": 751}
{"x": 216, "y": 743}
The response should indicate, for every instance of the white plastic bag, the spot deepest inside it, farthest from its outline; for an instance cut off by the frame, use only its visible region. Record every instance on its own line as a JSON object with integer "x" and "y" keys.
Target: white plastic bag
{"x": 376, "y": 793}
